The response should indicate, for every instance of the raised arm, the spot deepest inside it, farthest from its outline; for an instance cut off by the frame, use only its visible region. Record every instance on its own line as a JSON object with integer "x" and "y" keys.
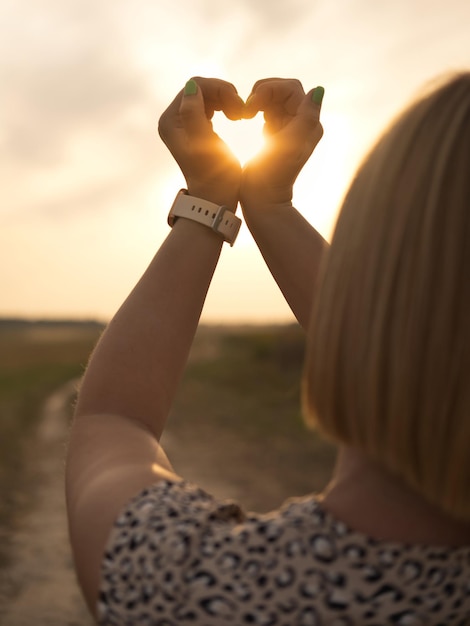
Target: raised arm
{"x": 137, "y": 365}
{"x": 133, "y": 374}
{"x": 291, "y": 247}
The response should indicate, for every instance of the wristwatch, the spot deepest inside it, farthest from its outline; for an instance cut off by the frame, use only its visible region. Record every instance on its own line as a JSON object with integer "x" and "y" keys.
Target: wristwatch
{"x": 219, "y": 218}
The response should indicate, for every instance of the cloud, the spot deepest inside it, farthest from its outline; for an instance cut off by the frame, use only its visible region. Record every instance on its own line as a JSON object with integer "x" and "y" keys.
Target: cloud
{"x": 279, "y": 15}
{"x": 67, "y": 72}
{"x": 44, "y": 106}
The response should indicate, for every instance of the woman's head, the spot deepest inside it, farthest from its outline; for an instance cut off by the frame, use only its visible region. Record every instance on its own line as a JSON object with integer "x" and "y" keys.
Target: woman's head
{"x": 388, "y": 362}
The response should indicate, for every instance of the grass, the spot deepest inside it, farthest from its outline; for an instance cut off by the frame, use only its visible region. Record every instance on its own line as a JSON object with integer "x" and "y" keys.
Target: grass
{"x": 238, "y": 413}
{"x": 35, "y": 358}
{"x": 251, "y": 372}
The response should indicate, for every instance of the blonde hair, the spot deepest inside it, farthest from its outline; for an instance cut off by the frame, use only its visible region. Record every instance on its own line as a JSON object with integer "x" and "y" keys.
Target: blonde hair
{"x": 388, "y": 357}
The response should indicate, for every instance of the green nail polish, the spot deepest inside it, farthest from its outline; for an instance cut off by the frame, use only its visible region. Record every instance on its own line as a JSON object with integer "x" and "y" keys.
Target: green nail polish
{"x": 317, "y": 95}
{"x": 190, "y": 89}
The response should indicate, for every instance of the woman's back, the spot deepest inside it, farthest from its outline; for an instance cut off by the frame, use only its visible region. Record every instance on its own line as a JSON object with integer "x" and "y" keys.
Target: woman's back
{"x": 177, "y": 556}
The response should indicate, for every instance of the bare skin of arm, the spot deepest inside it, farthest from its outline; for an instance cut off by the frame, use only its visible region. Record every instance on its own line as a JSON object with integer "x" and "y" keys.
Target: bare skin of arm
{"x": 137, "y": 365}
{"x": 291, "y": 247}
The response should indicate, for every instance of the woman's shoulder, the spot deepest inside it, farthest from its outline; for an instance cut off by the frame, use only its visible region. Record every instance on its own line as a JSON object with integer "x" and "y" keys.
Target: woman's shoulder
{"x": 199, "y": 526}
{"x": 175, "y": 505}
{"x": 176, "y": 544}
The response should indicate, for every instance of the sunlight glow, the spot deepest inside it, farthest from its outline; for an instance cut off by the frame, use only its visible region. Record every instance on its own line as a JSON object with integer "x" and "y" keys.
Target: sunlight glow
{"x": 87, "y": 184}
{"x": 320, "y": 187}
{"x": 244, "y": 137}
{"x": 208, "y": 66}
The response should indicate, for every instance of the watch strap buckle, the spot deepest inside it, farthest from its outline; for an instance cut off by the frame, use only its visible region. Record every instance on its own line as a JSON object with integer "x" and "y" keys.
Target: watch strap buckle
{"x": 227, "y": 224}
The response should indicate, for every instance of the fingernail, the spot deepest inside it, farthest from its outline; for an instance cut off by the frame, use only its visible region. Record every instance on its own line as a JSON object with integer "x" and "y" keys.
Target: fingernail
{"x": 190, "y": 89}
{"x": 317, "y": 95}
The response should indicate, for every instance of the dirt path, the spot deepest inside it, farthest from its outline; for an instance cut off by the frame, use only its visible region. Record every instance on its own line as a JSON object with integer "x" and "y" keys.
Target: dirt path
{"x": 39, "y": 588}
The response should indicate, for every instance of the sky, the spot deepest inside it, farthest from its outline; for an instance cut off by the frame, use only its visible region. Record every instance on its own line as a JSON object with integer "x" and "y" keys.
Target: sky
{"x": 85, "y": 181}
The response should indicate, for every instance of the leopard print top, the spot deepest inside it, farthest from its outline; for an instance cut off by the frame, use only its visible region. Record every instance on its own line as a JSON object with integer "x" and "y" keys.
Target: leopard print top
{"x": 178, "y": 556}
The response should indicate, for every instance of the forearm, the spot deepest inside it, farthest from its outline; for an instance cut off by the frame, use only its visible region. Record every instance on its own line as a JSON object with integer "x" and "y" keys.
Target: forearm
{"x": 290, "y": 246}
{"x": 138, "y": 363}
{"x": 292, "y": 249}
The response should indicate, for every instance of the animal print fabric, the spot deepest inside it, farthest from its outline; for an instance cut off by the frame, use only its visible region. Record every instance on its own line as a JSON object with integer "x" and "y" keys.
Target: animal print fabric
{"x": 178, "y": 556}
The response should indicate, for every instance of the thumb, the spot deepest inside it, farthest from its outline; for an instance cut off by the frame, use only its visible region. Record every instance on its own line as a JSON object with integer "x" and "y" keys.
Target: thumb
{"x": 316, "y": 96}
{"x": 306, "y": 123}
{"x": 192, "y": 112}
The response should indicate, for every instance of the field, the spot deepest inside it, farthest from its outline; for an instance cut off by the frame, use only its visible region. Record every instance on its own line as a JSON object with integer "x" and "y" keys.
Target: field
{"x": 35, "y": 358}
{"x": 235, "y": 428}
{"x": 240, "y": 399}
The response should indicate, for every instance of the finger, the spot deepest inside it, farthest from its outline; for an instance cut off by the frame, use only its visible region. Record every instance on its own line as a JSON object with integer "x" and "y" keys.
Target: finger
{"x": 306, "y": 126}
{"x": 192, "y": 111}
{"x": 277, "y": 95}
{"x": 316, "y": 96}
{"x": 219, "y": 95}
{"x": 169, "y": 120}
{"x": 273, "y": 79}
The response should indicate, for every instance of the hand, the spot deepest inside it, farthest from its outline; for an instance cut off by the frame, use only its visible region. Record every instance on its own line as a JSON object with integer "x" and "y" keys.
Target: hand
{"x": 211, "y": 170}
{"x": 292, "y": 131}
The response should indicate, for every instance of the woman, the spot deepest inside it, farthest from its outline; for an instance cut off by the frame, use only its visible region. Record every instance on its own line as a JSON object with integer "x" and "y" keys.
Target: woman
{"x": 387, "y": 371}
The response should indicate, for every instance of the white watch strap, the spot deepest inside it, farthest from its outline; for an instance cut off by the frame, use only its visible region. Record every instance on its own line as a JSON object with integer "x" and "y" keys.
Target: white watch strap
{"x": 219, "y": 218}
